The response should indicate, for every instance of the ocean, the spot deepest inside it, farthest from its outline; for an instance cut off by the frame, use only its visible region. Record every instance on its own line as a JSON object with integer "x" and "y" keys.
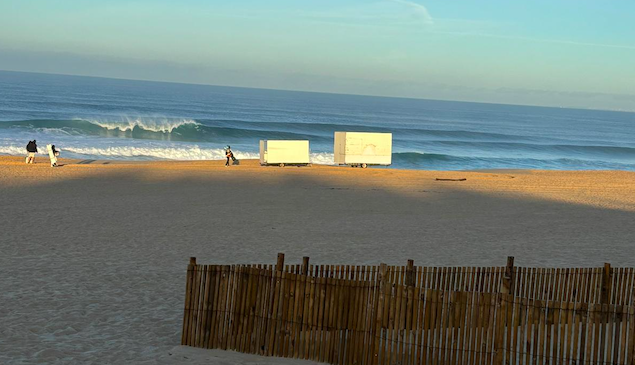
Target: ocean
{"x": 99, "y": 118}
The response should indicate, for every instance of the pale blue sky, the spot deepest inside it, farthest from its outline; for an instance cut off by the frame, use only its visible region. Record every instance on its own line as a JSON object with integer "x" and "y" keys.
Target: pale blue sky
{"x": 559, "y": 53}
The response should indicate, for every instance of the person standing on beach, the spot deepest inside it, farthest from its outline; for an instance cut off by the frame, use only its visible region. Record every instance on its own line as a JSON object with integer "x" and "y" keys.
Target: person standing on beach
{"x": 31, "y": 150}
{"x": 53, "y": 153}
{"x": 229, "y": 154}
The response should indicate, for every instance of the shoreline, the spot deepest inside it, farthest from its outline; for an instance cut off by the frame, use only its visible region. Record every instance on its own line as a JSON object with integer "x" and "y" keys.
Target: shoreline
{"x": 252, "y": 162}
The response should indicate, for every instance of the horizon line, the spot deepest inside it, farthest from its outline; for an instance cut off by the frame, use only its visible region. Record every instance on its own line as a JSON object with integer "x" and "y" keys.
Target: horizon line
{"x": 321, "y": 92}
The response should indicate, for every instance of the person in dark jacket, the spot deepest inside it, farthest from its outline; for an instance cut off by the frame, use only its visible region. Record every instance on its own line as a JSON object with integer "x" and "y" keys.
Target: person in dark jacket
{"x": 229, "y": 154}
{"x": 31, "y": 150}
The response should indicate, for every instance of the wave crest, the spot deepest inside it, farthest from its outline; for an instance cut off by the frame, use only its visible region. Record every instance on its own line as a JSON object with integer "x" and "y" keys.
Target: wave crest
{"x": 153, "y": 125}
{"x": 184, "y": 130}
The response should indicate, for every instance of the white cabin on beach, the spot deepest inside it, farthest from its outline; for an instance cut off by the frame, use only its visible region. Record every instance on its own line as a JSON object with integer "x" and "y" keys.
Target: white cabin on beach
{"x": 281, "y": 152}
{"x": 362, "y": 148}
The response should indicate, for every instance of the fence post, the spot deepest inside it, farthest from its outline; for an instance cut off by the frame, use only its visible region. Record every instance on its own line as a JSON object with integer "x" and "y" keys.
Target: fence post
{"x": 280, "y": 263}
{"x": 409, "y": 349}
{"x": 305, "y": 265}
{"x": 189, "y": 281}
{"x": 508, "y": 280}
{"x": 506, "y": 292}
{"x": 272, "y": 314}
{"x": 382, "y": 279}
{"x": 410, "y": 277}
{"x": 606, "y": 284}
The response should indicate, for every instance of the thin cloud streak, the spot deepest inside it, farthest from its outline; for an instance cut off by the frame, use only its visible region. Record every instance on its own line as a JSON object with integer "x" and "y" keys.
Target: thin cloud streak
{"x": 419, "y": 9}
{"x": 543, "y": 40}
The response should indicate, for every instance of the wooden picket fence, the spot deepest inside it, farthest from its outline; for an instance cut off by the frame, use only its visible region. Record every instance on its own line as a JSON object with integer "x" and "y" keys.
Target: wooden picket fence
{"x": 387, "y": 315}
{"x": 560, "y": 284}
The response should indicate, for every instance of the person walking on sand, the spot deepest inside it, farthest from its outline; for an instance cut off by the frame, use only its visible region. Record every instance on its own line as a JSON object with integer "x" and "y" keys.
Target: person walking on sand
{"x": 53, "y": 153}
{"x": 31, "y": 150}
{"x": 229, "y": 154}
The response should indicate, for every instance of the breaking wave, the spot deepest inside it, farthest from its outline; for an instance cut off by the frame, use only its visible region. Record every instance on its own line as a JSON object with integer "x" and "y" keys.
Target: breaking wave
{"x": 152, "y": 125}
{"x": 185, "y": 130}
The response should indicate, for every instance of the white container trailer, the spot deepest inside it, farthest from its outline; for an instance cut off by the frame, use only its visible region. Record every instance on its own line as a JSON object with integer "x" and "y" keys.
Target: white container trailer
{"x": 278, "y": 152}
{"x": 362, "y": 149}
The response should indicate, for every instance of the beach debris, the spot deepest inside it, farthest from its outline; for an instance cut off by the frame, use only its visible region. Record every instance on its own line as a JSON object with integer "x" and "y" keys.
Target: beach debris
{"x": 463, "y": 179}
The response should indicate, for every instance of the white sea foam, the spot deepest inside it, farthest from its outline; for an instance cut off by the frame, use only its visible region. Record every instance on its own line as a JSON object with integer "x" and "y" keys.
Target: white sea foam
{"x": 180, "y": 153}
{"x": 21, "y": 150}
{"x": 130, "y": 152}
{"x": 322, "y": 158}
{"x": 155, "y": 124}
{"x": 14, "y": 150}
{"x": 185, "y": 152}
{"x": 165, "y": 153}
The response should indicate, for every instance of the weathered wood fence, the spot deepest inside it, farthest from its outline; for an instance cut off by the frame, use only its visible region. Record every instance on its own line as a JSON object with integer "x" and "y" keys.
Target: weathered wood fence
{"x": 412, "y": 315}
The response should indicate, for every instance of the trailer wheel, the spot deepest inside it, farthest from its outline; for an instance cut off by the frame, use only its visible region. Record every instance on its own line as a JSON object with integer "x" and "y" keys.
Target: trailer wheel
{"x": 364, "y": 165}
{"x": 281, "y": 165}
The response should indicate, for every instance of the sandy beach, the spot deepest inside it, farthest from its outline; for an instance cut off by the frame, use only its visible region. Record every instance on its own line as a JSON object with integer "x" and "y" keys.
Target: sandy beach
{"x": 94, "y": 253}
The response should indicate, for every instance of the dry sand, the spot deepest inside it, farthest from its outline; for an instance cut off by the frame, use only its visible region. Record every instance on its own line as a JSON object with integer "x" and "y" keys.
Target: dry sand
{"x": 93, "y": 254}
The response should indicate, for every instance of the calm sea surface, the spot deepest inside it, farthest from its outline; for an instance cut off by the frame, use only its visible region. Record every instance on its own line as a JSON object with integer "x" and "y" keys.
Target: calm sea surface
{"x": 100, "y": 118}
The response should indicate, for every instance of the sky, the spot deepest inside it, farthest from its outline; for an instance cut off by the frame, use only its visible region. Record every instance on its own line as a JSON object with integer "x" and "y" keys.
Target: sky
{"x": 566, "y": 53}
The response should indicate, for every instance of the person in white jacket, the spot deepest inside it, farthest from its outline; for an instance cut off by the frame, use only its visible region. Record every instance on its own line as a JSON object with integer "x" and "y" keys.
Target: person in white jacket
{"x": 53, "y": 153}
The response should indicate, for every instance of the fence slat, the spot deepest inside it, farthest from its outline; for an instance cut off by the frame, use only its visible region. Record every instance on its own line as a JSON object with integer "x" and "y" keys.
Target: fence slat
{"x": 336, "y": 311}
{"x": 282, "y": 331}
{"x": 194, "y": 304}
{"x": 328, "y": 306}
{"x": 321, "y": 325}
{"x": 256, "y": 311}
{"x": 252, "y": 323}
{"x": 290, "y": 299}
{"x": 623, "y": 335}
{"x": 309, "y": 319}
{"x": 631, "y": 335}
{"x": 353, "y": 309}
{"x": 187, "y": 306}
{"x": 435, "y": 325}
{"x": 207, "y": 298}
{"x": 273, "y": 312}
